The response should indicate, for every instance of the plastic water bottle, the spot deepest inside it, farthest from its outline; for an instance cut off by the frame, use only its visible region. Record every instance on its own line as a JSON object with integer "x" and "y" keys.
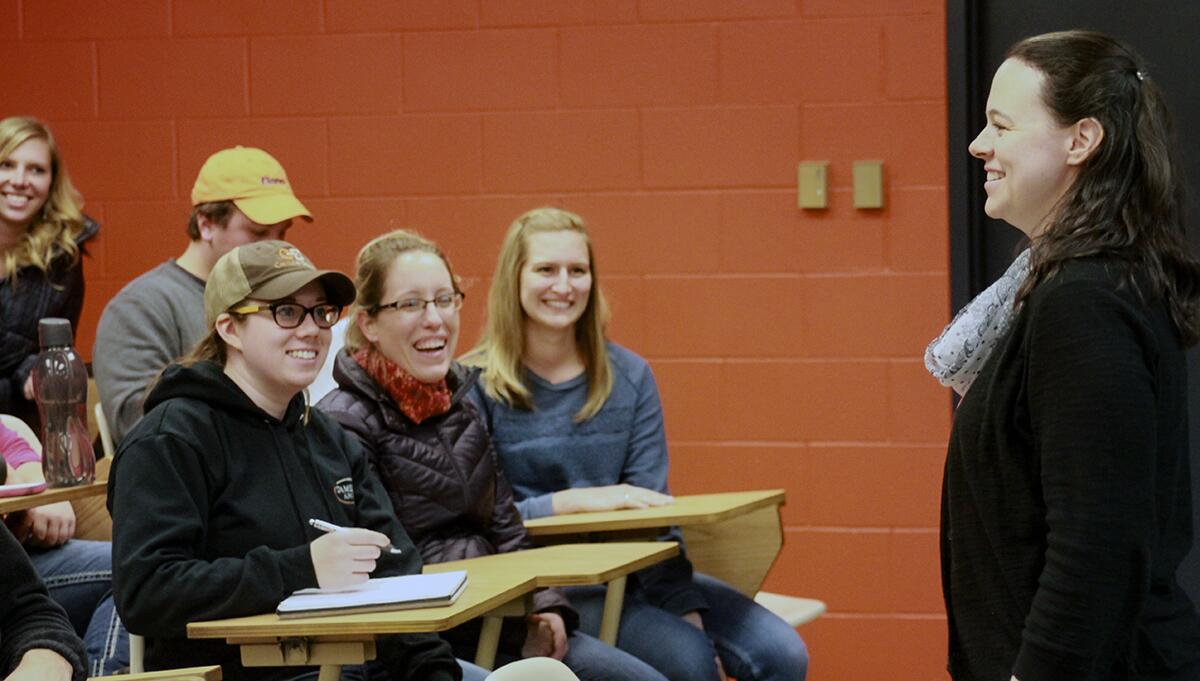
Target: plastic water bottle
{"x": 60, "y": 386}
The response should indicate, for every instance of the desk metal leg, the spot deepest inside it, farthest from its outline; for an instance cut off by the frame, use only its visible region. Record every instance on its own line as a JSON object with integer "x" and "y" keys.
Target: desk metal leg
{"x": 489, "y": 639}
{"x": 330, "y": 672}
{"x": 614, "y": 599}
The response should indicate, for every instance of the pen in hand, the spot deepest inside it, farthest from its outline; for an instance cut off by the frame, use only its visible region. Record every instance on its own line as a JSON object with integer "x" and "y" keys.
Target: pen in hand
{"x": 330, "y": 527}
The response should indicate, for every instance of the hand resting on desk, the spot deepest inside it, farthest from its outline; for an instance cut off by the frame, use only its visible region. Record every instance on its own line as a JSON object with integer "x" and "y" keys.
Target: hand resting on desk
{"x": 608, "y": 498}
{"x": 346, "y": 557}
{"x": 42, "y": 526}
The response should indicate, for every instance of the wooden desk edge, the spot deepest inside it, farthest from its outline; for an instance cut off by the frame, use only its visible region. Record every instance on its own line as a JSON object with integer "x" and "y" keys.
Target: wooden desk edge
{"x": 583, "y": 523}
{"x": 207, "y": 672}
{"x": 336, "y": 627}
{"x": 53, "y": 495}
{"x": 669, "y": 550}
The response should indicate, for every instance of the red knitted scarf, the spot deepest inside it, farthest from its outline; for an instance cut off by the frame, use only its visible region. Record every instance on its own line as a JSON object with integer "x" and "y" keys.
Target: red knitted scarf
{"x": 417, "y": 400}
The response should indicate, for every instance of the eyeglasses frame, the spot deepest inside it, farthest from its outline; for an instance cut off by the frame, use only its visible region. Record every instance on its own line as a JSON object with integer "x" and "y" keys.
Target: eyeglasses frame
{"x": 458, "y": 297}
{"x": 273, "y": 307}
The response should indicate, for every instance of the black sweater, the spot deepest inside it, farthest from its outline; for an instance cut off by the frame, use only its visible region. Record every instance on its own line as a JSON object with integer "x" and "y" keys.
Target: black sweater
{"x": 34, "y": 295}
{"x": 28, "y": 618}
{"x": 1066, "y": 504}
{"x": 210, "y": 498}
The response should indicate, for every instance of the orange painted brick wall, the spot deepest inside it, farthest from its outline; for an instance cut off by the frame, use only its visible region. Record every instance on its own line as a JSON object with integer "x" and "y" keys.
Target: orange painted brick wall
{"x": 786, "y": 342}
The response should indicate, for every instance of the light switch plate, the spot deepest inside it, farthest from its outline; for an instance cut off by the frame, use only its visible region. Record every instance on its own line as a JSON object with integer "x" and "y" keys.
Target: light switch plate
{"x": 813, "y": 182}
{"x": 868, "y": 184}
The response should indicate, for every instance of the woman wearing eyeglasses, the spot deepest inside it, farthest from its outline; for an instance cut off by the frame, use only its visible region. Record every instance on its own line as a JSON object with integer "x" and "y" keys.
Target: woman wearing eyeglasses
{"x": 577, "y": 424}
{"x": 212, "y": 491}
{"x": 405, "y": 398}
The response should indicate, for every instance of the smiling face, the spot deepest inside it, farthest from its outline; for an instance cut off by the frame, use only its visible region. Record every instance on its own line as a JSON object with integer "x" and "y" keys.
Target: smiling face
{"x": 25, "y": 179}
{"x": 278, "y": 362}
{"x": 422, "y": 342}
{"x": 1024, "y": 150}
{"x": 556, "y": 279}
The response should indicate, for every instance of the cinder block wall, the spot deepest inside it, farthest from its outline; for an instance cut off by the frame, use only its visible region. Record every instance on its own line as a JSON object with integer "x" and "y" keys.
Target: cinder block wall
{"x": 786, "y": 343}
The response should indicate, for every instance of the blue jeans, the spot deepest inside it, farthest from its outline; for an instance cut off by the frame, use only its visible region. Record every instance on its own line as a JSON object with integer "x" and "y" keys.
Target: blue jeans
{"x": 590, "y": 658}
{"x": 78, "y": 576}
{"x": 594, "y": 660}
{"x": 754, "y": 644}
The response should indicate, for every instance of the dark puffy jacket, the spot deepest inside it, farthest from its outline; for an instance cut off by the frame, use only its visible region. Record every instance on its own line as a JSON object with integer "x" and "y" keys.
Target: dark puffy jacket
{"x": 442, "y": 474}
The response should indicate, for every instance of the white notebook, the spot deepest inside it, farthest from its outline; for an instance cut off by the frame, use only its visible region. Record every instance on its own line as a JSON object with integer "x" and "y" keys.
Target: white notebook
{"x": 385, "y": 593}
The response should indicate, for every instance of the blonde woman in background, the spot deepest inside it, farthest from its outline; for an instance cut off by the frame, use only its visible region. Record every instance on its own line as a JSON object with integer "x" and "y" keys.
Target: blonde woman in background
{"x": 42, "y": 234}
{"x": 577, "y": 424}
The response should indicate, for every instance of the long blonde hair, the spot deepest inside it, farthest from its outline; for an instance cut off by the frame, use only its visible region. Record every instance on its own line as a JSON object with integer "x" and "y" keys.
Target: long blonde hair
{"x": 60, "y": 222}
{"x": 502, "y": 345}
{"x": 370, "y": 275}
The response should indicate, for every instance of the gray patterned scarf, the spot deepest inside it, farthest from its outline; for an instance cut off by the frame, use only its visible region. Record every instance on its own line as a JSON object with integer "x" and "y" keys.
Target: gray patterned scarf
{"x": 956, "y": 356}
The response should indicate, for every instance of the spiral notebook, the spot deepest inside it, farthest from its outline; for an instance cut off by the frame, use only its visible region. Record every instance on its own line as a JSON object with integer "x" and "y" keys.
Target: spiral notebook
{"x": 374, "y": 595}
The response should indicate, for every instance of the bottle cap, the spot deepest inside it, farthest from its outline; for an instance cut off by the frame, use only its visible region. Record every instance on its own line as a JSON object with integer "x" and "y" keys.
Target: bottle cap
{"x": 55, "y": 332}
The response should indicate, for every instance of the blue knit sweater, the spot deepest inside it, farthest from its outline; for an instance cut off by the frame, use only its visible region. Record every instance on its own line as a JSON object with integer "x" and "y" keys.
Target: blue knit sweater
{"x": 544, "y": 450}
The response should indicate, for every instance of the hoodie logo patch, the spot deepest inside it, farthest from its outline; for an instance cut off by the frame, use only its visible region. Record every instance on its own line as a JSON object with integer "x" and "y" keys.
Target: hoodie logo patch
{"x": 344, "y": 491}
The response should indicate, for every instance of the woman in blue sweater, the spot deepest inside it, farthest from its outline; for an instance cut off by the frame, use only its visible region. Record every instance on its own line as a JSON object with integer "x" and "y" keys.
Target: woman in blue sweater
{"x": 577, "y": 423}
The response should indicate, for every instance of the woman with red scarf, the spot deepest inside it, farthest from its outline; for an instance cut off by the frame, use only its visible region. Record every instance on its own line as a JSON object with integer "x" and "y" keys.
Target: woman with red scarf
{"x": 403, "y": 395}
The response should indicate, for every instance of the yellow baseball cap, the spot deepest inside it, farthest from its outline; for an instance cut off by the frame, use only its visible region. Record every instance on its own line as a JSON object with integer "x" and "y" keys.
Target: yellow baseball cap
{"x": 253, "y": 180}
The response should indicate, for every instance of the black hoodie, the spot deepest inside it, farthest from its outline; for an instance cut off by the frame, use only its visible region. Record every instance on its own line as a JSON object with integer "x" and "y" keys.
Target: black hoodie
{"x": 29, "y": 618}
{"x": 210, "y": 498}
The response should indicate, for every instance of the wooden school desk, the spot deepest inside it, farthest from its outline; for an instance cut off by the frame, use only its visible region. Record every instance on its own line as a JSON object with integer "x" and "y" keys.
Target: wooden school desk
{"x": 733, "y": 536}
{"x": 91, "y": 515}
{"x": 575, "y": 565}
{"x": 268, "y": 641}
{"x": 53, "y": 496}
{"x": 497, "y": 587}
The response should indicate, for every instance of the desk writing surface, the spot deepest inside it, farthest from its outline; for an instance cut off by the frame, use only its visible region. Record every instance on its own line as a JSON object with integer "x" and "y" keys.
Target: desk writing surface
{"x": 569, "y": 564}
{"x": 485, "y": 591}
{"x": 691, "y": 509}
{"x": 53, "y": 496}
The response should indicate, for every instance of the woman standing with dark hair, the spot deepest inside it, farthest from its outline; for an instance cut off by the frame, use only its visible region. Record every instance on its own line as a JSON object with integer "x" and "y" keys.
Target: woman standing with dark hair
{"x": 1066, "y": 504}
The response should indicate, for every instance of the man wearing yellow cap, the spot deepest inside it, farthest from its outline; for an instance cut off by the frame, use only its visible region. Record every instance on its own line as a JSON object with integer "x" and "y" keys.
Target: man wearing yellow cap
{"x": 241, "y": 195}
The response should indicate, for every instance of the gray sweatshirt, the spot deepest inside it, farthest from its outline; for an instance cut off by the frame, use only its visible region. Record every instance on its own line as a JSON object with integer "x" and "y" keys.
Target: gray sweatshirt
{"x": 154, "y": 320}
